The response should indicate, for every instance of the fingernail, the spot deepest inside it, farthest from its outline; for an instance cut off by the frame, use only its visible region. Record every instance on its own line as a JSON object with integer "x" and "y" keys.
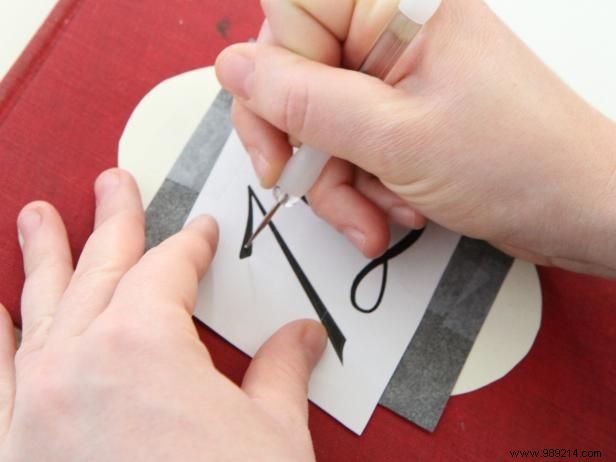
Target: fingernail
{"x": 260, "y": 163}
{"x": 314, "y": 338}
{"x": 106, "y": 184}
{"x": 205, "y": 221}
{"x": 404, "y": 216}
{"x": 236, "y": 73}
{"x": 207, "y": 226}
{"x": 294, "y": 142}
{"x": 356, "y": 237}
{"x": 27, "y": 223}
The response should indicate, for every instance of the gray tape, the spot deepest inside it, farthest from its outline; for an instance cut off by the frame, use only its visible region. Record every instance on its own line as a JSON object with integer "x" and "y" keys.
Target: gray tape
{"x": 424, "y": 379}
{"x": 201, "y": 152}
{"x": 168, "y": 212}
{"x": 173, "y": 202}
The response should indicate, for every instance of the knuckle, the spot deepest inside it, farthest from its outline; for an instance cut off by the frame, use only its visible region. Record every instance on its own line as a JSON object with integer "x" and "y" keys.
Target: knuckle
{"x": 32, "y": 334}
{"x": 47, "y": 262}
{"x": 48, "y": 389}
{"x": 125, "y": 344}
{"x": 295, "y": 109}
{"x": 288, "y": 371}
{"x": 119, "y": 338}
{"x": 125, "y": 222}
{"x": 104, "y": 271}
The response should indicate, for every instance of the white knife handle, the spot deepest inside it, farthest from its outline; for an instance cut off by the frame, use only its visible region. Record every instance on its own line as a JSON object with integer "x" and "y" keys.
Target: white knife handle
{"x": 302, "y": 172}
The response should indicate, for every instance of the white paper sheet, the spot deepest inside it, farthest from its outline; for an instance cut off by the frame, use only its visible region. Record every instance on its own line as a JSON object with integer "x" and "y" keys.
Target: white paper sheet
{"x": 247, "y": 300}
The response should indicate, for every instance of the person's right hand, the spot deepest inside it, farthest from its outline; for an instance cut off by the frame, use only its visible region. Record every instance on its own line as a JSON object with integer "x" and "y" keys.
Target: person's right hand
{"x": 476, "y": 134}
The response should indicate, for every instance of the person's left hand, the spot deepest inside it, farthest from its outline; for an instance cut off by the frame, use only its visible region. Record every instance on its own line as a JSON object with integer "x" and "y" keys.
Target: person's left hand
{"x": 111, "y": 366}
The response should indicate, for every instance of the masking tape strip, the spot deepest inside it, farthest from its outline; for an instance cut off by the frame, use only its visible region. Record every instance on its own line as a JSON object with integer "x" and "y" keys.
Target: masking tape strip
{"x": 424, "y": 379}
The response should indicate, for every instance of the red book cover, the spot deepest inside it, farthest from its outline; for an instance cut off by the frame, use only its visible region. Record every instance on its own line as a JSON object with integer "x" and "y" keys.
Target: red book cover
{"x": 63, "y": 107}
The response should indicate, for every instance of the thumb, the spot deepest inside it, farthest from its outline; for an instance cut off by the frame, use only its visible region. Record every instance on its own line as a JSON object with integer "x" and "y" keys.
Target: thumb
{"x": 279, "y": 373}
{"x": 343, "y": 113}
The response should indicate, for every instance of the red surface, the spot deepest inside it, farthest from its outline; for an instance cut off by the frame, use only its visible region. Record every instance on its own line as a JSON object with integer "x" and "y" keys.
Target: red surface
{"x": 62, "y": 111}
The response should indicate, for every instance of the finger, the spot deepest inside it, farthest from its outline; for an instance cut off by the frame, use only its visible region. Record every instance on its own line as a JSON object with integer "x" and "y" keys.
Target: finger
{"x": 48, "y": 267}
{"x": 113, "y": 248}
{"x": 352, "y": 25}
{"x": 167, "y": 276}
{"x": 278, "y": 375}
{"x": 7, "y": 370}
{"x": 335, "y": 200}
{"x": 396, "y": 208}
{"x": 369, "y": 19}
{"x": 266, "y": 37}
{"x": 326, "y": 24}
{"x": 267, "y": 146}
{"x": 345, "y": 113}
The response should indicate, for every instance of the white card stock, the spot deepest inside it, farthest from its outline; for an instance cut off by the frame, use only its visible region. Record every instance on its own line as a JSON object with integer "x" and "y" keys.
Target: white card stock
{"x": 302, "y": 268}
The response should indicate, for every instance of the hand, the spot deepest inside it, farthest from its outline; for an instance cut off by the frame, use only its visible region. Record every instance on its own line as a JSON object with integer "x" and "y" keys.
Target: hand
{"x": 111, "y": 367}
{"x": 352, "y": 200}
{"x": 474, "y": 132}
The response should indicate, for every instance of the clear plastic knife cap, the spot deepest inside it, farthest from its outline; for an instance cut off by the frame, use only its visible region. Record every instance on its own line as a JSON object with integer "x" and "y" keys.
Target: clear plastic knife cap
{"x": 419, "y": 11}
